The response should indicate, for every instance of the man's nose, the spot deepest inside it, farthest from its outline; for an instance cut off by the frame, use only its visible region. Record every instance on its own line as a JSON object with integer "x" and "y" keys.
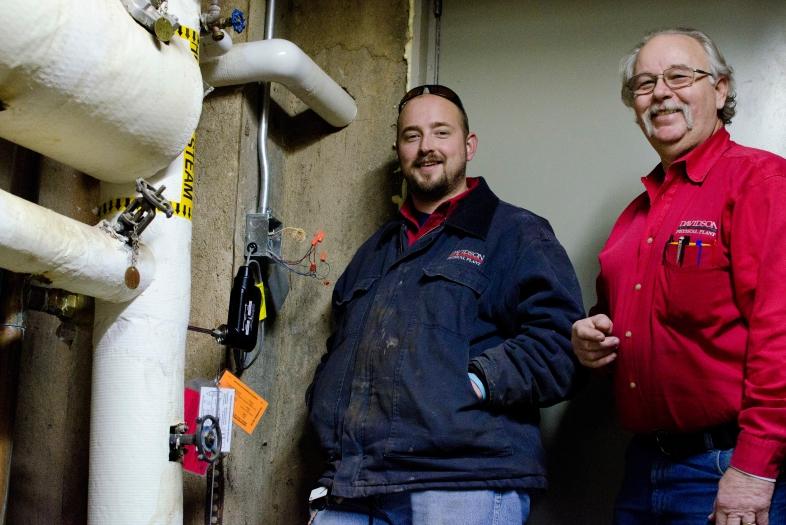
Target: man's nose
{"x": 661, "y": 90}
{"x": 426, "y": 144}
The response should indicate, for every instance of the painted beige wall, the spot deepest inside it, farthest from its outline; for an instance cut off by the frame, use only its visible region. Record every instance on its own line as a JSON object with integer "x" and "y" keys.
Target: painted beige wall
{"x": 540, "y": 80}
{"x": 540, "y": 83}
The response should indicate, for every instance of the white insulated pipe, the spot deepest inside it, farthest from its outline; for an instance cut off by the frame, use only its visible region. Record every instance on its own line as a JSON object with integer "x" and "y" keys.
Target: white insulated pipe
{"x": 67, "y": 253}
{"x": 281, "y": 61}
{"x": 84, "y": 84}
{"x": 138, "y": 379}
{"x": 139, "y": 360}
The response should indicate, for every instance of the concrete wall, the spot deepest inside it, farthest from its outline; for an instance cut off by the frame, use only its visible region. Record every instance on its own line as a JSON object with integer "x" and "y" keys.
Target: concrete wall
{"x": 48, "y": 481}
{"x": 340, "y": 181}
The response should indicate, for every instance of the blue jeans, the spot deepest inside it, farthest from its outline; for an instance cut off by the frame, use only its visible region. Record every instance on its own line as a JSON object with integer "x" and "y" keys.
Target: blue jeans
{"x": 429, "y": 507}
{"x": 659, "y": 490}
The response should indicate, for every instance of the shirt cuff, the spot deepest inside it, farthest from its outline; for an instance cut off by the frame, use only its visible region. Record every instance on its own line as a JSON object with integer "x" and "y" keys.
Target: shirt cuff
{"x": 771, "y": 480}
{"x": 478, "y": 383}
{"x": 758, "y": 457}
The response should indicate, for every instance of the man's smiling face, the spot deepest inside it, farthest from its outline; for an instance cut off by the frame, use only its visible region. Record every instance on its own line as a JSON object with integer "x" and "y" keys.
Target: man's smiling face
{"x": 676, "y": 121}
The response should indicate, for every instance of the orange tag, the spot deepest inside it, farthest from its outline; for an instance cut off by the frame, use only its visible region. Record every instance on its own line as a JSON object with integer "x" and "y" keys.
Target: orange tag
{"x": 249, "y": 406}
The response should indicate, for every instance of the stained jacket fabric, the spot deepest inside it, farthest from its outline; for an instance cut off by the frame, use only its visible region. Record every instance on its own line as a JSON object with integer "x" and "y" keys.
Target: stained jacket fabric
{"x": 492, "y": 291}
{"x": 693, "y": 276}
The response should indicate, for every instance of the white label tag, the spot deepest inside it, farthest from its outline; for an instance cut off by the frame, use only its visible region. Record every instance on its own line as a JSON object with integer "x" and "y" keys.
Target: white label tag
{"x": 221, "y": 406}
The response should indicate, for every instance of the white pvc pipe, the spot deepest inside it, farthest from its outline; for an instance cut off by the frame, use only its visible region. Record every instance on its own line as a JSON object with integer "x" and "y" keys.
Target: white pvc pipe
{"x": 282, "y": 61}
{"x": 67, "y": 253}
{"x": 82, "y": 83}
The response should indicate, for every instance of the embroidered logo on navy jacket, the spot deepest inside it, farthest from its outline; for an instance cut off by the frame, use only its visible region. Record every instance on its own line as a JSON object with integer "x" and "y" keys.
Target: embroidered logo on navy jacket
{"x": 468, "y": 256}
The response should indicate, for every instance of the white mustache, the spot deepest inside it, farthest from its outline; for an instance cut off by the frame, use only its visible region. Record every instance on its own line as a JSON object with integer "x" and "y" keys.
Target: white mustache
{"x": 668, "y": 105}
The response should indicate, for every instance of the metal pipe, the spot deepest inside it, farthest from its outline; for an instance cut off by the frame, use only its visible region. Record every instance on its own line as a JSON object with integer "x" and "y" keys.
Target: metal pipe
{"x": 264, "y": 117}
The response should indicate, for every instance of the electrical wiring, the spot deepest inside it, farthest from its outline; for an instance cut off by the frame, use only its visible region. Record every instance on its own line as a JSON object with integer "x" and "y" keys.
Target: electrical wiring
{"x": 307, "y": 265}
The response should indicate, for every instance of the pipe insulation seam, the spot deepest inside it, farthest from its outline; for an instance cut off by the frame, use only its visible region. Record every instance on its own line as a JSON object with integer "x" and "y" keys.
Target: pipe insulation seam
{"x": 70, "y": 254}
{"x": 281, "y": 61}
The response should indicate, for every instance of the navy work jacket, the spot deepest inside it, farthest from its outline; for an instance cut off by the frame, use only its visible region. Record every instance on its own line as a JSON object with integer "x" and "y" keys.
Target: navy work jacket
{"x": 491, "y": 291}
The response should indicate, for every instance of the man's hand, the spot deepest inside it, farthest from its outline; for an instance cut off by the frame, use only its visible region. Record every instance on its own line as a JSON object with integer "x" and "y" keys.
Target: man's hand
{"x": 592, "y": 341}
{"x": 742, "y": 500}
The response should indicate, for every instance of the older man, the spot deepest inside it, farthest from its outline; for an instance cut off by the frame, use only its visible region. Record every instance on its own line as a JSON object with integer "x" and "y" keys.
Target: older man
{"x": 691, "y": 312}
{"x": 451, "y": 329}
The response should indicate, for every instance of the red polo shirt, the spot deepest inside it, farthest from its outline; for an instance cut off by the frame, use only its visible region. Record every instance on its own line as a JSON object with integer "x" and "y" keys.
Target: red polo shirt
{"x": 414, "y": 229}
{"x": 693, "y": 277}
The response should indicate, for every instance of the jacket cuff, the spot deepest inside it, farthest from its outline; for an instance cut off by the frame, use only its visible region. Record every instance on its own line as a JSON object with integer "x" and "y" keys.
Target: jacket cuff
{"x": 479, "y": 384}
{"x": 756, "y": 456}
{"x": 476, "y": 368}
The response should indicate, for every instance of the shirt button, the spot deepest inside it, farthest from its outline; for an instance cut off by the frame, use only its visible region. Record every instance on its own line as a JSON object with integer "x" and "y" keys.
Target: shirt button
{"x": 628, "y": 333}
{"x": 637, "y": 287}
{"x": 650, "y": 240}
{"x": 632, "y": 384}
{"x": 400, "y": 283}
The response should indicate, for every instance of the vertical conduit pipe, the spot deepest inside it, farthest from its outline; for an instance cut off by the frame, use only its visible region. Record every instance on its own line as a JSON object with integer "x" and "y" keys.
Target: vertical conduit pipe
{"x": 264, "y": 117}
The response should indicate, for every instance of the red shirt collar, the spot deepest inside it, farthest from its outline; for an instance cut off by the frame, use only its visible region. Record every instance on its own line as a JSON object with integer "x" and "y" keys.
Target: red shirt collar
{"x": 695, "y": 164}
{"x": 443, "y": 211}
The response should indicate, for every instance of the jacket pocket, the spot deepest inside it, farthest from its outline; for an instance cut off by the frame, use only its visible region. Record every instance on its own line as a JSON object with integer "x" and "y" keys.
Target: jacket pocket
{"x": 449, "y": 295}
{"x": 333, "y": 377}
{"x": 434, "y": 411}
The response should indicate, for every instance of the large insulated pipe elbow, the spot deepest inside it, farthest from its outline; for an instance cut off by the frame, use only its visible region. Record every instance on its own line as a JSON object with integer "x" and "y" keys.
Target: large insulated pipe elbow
{"x": 69, "y": 254}
{"x": 278, "y": 60}
{"x": 84, "y": 84}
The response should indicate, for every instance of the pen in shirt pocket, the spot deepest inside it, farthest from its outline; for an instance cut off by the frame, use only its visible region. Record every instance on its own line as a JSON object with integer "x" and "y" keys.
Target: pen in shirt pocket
{"x": 699, "y": 246}
{"x": 682, "y": 242}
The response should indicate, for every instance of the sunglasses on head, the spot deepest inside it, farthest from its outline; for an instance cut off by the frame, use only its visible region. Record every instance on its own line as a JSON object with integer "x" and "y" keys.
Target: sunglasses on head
{"x": 432, "y": 89}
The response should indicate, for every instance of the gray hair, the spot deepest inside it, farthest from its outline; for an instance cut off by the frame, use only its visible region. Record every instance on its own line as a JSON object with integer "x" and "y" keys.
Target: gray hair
{"x": 718, "y": 67}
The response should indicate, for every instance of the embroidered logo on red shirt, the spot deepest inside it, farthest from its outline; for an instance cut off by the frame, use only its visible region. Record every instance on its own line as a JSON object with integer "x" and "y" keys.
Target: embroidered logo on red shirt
{"x": 697, "y": 227}
{"x": 468, "y": 256}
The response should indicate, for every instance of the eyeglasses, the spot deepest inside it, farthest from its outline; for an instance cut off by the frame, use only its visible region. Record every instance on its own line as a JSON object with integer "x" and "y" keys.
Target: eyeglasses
{"x": 432, "y": 89}
{"x": 676, "y": 77}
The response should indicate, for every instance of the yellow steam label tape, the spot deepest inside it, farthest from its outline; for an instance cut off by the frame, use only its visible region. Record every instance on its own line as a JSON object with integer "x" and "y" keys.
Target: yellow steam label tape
{"x": 184, "y": 207}
{"x": 192, "y": 36}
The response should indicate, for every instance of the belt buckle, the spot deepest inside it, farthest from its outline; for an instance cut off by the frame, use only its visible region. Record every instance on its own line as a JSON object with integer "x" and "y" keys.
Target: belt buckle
{"x": 660, "y": 439}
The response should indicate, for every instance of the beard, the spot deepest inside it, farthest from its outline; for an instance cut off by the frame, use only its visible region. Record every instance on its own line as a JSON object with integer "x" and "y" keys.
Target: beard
{"x": 669, "y": 105}
{"x": 438, "y": 186}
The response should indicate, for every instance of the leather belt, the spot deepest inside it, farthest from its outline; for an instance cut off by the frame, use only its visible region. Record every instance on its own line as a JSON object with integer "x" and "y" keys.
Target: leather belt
{"x": 683, "y": 444}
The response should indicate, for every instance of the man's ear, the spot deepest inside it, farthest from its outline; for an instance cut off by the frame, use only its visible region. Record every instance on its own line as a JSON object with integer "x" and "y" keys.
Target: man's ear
{"x": 721, "y": 92}
{"x": 472, "y": 145}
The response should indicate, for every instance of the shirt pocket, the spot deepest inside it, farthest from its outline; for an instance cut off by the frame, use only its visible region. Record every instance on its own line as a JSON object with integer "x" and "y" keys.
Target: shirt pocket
{"x": 694, "y": 287}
